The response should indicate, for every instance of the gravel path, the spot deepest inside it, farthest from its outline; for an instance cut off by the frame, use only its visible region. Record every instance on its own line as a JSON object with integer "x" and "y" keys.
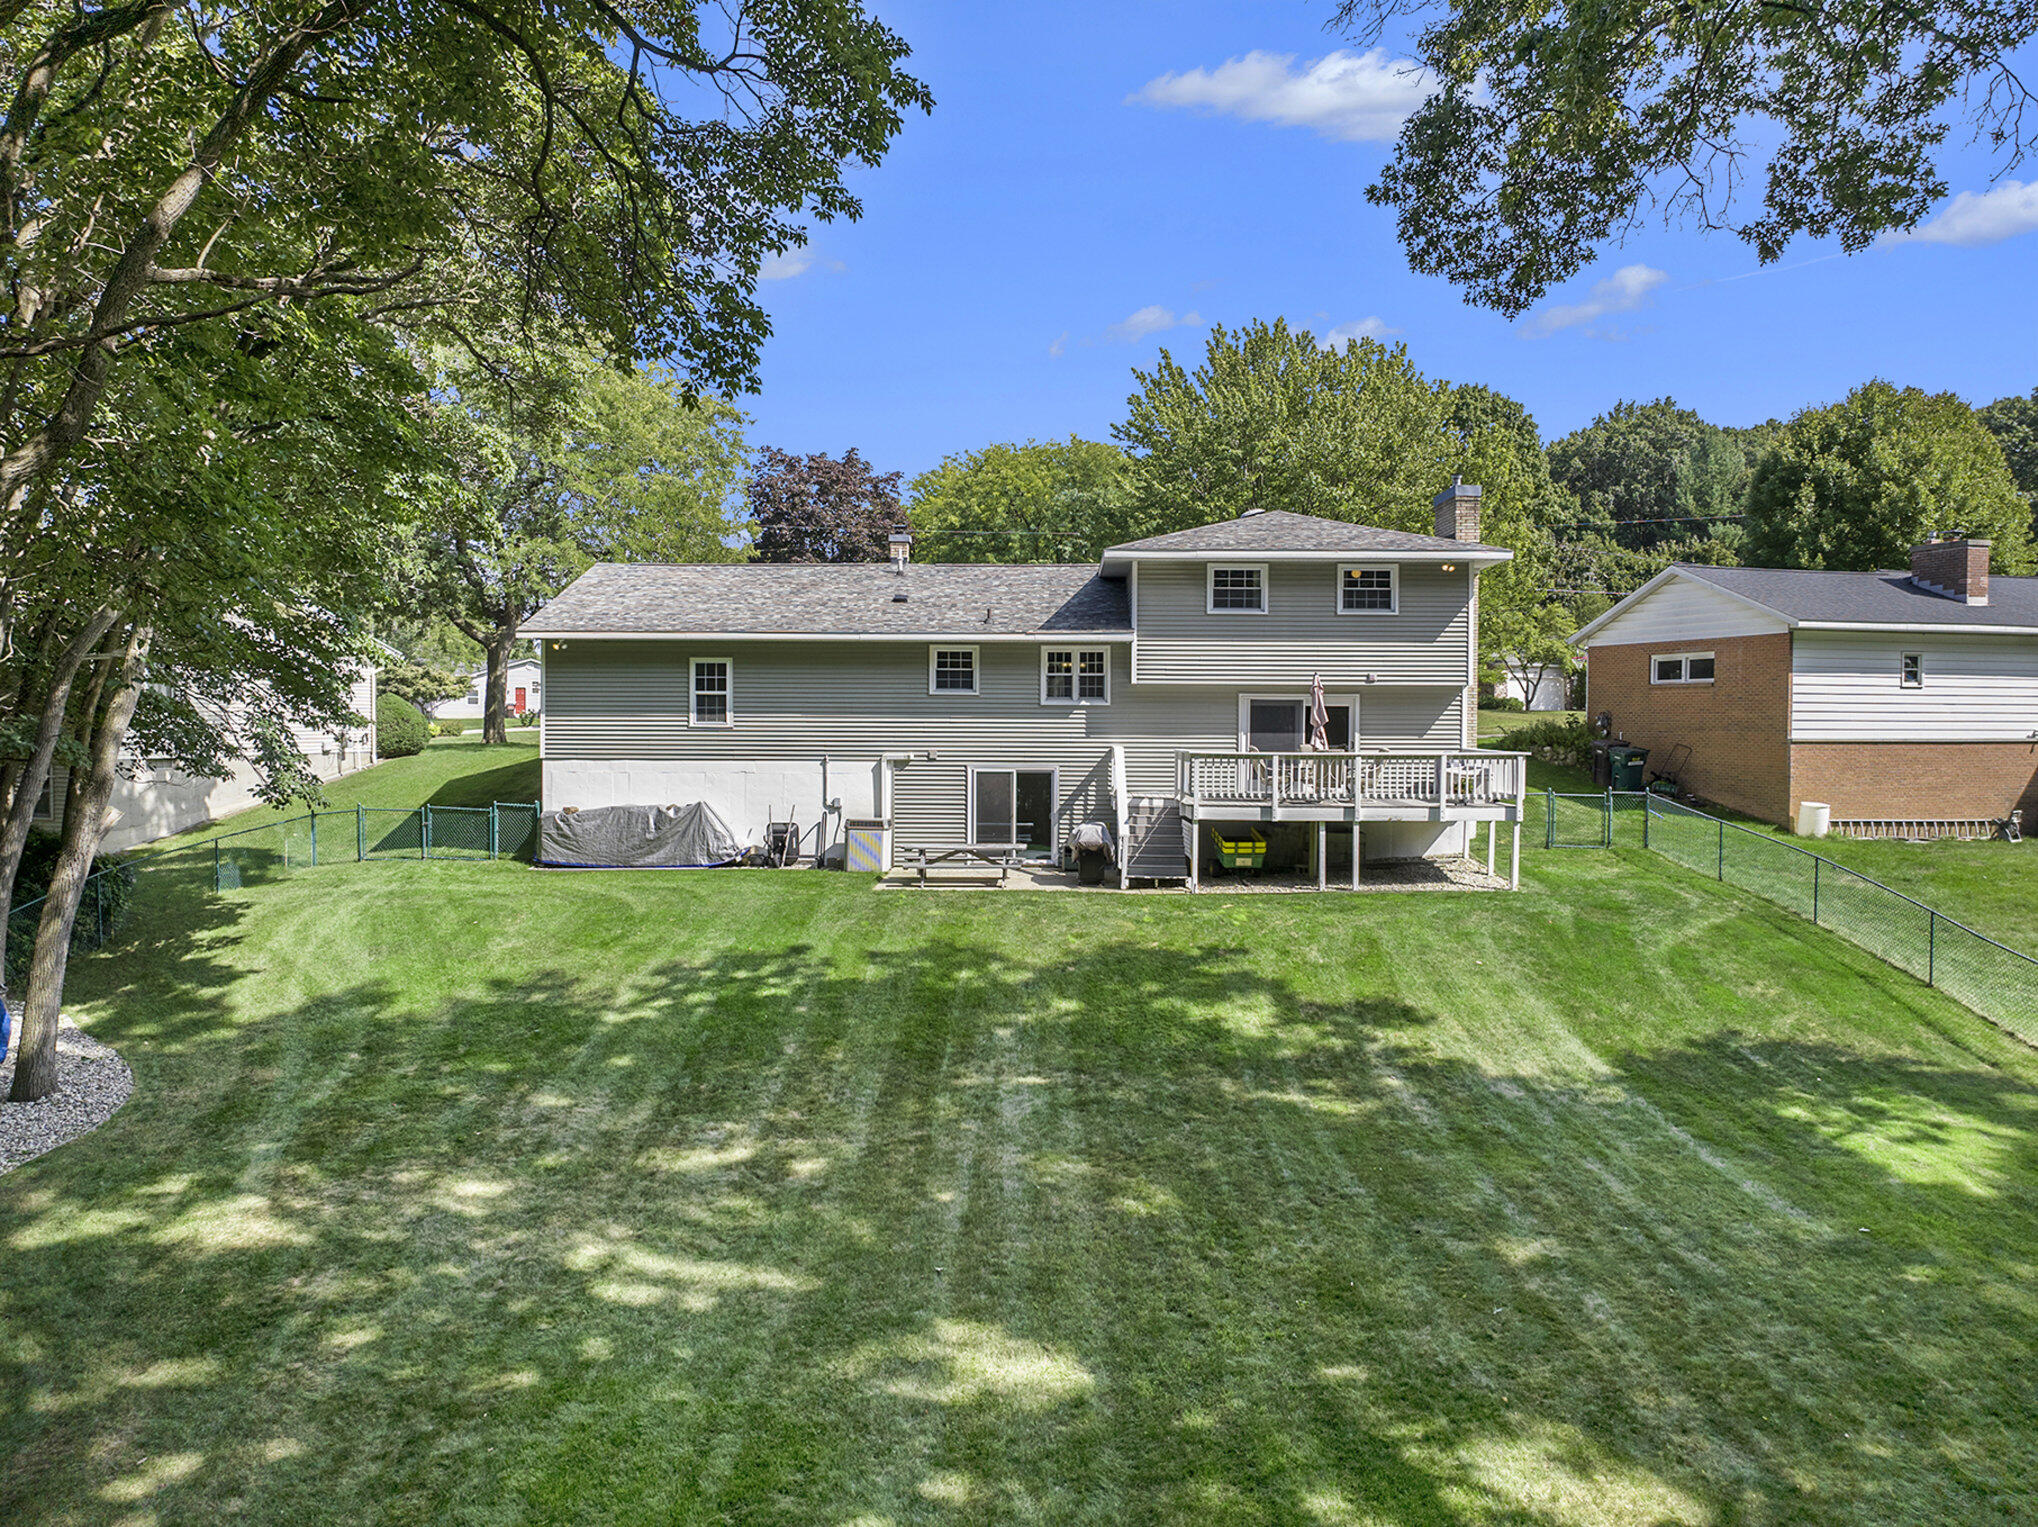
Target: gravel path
{"x": 92, "y": 1082}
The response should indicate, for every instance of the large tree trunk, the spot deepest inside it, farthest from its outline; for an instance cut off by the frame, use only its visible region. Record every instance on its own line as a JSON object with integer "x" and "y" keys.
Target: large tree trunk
{"x": 495, "y": 709}
{"x": 35, "y": 1065}
{"x": 27, "y": 784}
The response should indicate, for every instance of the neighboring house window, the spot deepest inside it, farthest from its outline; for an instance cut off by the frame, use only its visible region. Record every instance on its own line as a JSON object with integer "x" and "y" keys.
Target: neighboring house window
{"x": 1914, "y": 670}
{"x": 952, "y": 671}
{"x": 1681, "y": 668}
{"x": 474, "y": 695}
{"x": 711, "y": 691}
{"x": 46, "y": 803}
{"x": 1238, "y": 590}
{"x": 1366, "y": 590}
{"x": 1075, "y": 675}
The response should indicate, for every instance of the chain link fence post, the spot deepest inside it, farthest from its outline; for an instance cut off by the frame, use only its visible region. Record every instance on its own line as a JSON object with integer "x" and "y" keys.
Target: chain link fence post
{"x": 314, "y": 840}
{"x": 1648, "y": 813}
{"x": 494, "y": 831}
{"x": 1931, "y": 947}
{"x": 1549, "y": 816}
{"x": 360, "y": 833}
{"x": 215, "y": 866}
{"x": 1606, "y": 819}
{"x": 1815, "y": 890}
{"x": 1723, "y": 848}
{"x": 425, "y": 849}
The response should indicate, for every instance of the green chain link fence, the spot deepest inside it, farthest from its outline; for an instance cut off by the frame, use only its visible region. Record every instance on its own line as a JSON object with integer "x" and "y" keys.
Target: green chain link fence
{"x": 506, "y": 830}
{"x": 102, "y": 908}
{"x": 1993, "y": 979}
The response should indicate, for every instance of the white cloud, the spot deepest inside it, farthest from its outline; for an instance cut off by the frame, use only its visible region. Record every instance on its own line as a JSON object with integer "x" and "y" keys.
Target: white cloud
{"x": 1621, "y": 292}
{"x": 1345, "y": 333}
{"x": 1153, "y": 319}
{"x": 1060, "y": 346}
{"x": 1360, "y": 97}
{"x": 1980, "y": 217}
{"x": 783, "y": 267}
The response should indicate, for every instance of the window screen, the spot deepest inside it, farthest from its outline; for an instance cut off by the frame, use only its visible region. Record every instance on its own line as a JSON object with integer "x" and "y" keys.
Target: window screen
{"x": 955, "y": 670}
{"x": 1237, "y": 588}
{"x": 1914, "y": 670}
{"x": 1366, "y": 588}
{"x": 711, "y": 693}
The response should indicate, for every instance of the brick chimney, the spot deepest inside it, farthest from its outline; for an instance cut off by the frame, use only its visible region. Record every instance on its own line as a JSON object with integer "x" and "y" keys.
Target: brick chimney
{"x": 1458, "y": 511}
{"x": 1952, "y": 569}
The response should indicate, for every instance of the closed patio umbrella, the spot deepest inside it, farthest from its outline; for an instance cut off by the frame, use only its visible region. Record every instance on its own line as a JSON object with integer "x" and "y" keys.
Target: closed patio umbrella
{"x": 1319, "y": 716}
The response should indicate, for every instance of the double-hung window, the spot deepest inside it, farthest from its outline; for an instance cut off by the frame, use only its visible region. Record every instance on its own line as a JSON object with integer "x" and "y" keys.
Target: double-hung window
{"x": 1238, "y": 588}
{"x": 1365, "y": 590}
{"x": 951, "y": 670}
{"x": 1912, "y": 673}
{"x": 1681, "y": 668}
{"x": 1075, "y": 676}
{"x": 712, "y": 687}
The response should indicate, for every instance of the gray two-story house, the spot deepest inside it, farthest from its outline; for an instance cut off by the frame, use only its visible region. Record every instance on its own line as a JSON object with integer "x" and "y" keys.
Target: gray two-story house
{"x": 1165, "y": 691}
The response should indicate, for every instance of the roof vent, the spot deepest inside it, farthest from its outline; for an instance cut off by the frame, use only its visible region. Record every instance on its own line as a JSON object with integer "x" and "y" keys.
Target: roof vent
{"x": 901, "y": 597}
{"x": 1246, "y": 514}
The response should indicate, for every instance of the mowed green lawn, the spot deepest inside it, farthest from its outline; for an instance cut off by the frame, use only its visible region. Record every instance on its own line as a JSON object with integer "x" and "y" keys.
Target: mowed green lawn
{"x": 460, "y": 1192}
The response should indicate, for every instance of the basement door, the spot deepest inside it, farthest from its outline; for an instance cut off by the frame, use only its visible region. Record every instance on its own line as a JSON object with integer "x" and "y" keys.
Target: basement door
{"x": 1013, "y": 806}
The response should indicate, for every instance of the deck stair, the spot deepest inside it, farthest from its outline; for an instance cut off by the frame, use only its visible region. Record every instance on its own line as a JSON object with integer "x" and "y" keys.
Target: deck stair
{"x": 1153, "y": 843}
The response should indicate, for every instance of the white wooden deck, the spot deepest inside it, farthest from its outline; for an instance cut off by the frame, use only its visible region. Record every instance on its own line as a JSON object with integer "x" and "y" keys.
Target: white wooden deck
{"x": 1477, "y": 786}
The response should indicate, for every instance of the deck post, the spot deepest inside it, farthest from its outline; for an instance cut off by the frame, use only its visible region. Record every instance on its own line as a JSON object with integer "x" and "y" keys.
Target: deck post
{"x": 1195, "y": 853}
{"x": 1355, "y": 850}
{"x": 1492, "y": 832}
{"x": 1322, "y": 856}
{"x": 1514, "y": 865}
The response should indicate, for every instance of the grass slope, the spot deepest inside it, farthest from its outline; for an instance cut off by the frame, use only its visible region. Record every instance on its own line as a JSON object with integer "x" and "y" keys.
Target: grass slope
{"x": 464, "y": 1193}
{"x": 451, "y": 771}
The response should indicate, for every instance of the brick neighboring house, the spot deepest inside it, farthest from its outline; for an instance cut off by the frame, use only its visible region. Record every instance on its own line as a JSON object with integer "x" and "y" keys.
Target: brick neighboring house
{"x": 1895, "y": 697}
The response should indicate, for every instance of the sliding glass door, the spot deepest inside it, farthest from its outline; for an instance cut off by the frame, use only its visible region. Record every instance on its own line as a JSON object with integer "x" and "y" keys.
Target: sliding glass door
{"x": 1013, "y": 806}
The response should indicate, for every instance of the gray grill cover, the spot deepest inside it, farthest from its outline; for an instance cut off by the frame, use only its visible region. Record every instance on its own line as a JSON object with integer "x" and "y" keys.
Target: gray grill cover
{"x": 637, "y": 837}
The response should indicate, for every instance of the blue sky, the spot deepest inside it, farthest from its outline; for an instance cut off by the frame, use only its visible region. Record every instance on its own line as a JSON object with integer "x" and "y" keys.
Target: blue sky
{"x": 1061, "y": 216}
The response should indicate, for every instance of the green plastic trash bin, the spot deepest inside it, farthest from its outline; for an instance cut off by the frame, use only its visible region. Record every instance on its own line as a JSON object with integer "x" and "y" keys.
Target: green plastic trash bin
{"x": 1629, "y": 766}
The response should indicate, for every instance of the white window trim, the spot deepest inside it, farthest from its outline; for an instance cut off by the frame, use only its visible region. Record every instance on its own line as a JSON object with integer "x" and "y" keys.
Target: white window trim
{"x": 1903, "y": 658}
{"x": 1075, "y": 676}
{"x": 1210, "y": 573}
{"x": 1393, "y": 572}
{"x": 693, "y": 692}
{"x": 976, "y": 668}
{"x": 1684, "y": 658}
{"x": 1245, "y": 711}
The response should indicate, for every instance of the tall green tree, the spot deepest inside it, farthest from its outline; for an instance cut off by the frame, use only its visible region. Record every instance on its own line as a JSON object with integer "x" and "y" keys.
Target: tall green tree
{"x": 1058, "y": 501}
{"x": 1857, "y": 484}
{"x": 1554, "y": 130}
{"x": 2014, "y": 423}
{"x": 573, "y": 463}
{"x": 1652, "y": 472}
{"x": 1272, "y": 420}
{"x": 325, "y": 187}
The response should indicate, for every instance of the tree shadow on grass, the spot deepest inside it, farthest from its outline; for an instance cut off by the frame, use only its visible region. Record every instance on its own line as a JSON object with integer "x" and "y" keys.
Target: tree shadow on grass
{"x": 973, "y": 1232}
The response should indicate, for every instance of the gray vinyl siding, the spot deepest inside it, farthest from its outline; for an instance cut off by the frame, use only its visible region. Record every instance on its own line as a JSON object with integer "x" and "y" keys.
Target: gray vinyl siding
{"x": 628, "y": 700}
{"x": 1427, "y": 641}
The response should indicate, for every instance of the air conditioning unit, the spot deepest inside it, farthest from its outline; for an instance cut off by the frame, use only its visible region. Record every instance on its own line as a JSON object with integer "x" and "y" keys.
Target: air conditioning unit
{"x": 866, "y": 846}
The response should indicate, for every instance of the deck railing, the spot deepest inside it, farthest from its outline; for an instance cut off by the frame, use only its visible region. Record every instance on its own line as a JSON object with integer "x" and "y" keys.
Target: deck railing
{"x": 1477, "y": 778}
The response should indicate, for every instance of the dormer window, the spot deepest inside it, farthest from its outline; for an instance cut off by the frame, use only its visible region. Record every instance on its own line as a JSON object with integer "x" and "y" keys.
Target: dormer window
{"x": 1238, "y": 588}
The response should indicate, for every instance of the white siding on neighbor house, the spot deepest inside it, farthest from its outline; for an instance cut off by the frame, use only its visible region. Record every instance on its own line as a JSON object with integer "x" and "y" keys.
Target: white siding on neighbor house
{"x": 159, "y": 800}
{"x": 1685, "y": 610}
{"x": 616, "y": 727}
{"x": 1427, "y": 641}
{"x": 1845, "y": 687}
{"x": 525, "y": 673}
{"x": 1549, "y": 688}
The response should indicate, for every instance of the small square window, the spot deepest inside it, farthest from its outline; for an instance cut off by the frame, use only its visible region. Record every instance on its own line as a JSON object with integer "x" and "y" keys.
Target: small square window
{"x": 1914, "y": 670}
{"x": 711, "y": 689}
{"x": 1365, "y": 591}
{"x": 952, "y": 671}
{"x": 1238, "y": 590}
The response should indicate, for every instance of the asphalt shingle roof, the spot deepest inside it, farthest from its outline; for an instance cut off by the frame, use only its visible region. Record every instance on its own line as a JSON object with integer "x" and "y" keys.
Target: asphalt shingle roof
{"x": 1871, "y": 599}
{"x": 844, "y": 598}
{"x": 1280, "y": 530}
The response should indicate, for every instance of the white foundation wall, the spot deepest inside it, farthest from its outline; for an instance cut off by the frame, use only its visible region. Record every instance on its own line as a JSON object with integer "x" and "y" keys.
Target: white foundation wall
{"x": 745, "y": 793}
{"x": 1417, "y": 840}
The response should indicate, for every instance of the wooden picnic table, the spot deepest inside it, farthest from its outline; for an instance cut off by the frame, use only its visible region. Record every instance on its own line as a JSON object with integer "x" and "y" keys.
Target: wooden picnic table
{"x": 997, "y": 856}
